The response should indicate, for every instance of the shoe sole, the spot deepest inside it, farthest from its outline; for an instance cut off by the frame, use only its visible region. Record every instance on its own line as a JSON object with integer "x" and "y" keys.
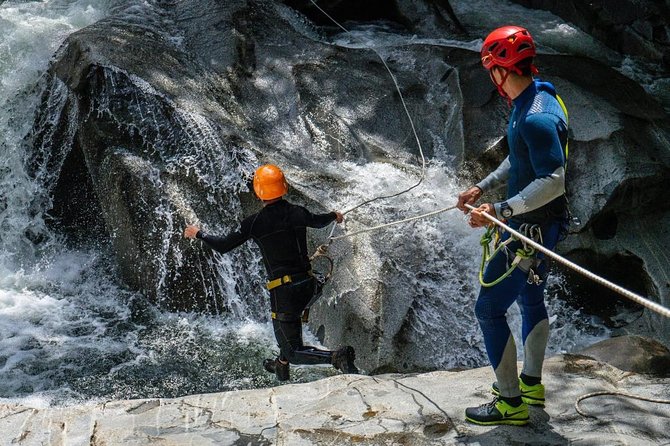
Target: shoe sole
{"x": 532, "y": 401}
{"x": 520, "y": 422}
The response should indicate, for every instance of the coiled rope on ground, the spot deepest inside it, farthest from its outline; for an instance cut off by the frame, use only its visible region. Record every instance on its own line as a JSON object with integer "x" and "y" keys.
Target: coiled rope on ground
{"x": 614, "y": 393}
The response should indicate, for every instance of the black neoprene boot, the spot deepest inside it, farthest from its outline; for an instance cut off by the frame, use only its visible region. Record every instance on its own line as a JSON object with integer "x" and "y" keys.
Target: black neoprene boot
{"x": 343, "y": 359}
{"x": 277, "y": 367}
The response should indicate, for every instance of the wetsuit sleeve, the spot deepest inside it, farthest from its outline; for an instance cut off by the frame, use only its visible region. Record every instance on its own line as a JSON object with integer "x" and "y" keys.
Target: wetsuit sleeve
{"x": 317, "y": 220}
{"x": 497, "y": 178}
{"x": 231, "y": 241}
{"x": 548, "y": 160}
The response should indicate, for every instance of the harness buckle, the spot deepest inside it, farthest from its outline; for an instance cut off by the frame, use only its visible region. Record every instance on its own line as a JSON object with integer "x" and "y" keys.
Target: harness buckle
{"x": 278, "y": 282}
{"x": 534, "y": 279}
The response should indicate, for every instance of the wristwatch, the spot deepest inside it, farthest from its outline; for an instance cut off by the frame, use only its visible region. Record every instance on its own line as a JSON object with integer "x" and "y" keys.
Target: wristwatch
{"x": 505, "y": 210}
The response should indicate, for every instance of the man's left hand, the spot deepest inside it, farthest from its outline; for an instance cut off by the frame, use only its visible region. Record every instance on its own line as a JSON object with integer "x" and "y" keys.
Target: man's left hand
{"x": 477, "y": 219}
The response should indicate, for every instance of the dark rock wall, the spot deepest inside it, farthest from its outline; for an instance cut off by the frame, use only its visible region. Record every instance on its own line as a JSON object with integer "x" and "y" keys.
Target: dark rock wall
{"x": 639, "y": 28}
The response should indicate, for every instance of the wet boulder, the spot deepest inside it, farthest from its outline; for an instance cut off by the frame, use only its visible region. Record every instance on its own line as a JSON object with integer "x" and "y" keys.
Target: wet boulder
{"x": 161, "y": 113}
{"x": 632, "y": 354}
{"x": 639, "y": 28}
{"x": 163, "y": 125}
{"x": 142, "y": 117}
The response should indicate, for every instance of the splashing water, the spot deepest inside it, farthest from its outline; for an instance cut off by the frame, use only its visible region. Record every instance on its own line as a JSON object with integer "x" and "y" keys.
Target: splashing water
{"x": 69, "y": 331}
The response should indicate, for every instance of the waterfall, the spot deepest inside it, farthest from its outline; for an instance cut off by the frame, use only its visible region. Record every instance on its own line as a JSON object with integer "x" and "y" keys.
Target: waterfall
{"x": 69, "y": 330}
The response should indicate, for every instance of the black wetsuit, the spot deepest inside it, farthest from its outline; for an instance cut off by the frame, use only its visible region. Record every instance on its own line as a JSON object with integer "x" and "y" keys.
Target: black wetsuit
{"x": 279, "y": 230}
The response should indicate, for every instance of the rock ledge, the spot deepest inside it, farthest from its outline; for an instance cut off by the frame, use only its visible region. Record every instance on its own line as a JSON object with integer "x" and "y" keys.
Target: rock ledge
{"x": 367, "y": 410}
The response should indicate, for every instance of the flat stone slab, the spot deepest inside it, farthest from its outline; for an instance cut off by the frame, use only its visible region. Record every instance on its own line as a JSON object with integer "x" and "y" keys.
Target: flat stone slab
{"x": 421, "y": 409}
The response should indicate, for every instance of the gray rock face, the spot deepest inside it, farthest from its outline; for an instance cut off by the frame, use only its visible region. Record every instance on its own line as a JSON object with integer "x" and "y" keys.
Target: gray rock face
{"x": 632, "y": 354}
{"x": 638, "y": 28}
{"x": 148, "y": 144}
{"x": 617, "y": 169}
{"x": 169, "y": 110}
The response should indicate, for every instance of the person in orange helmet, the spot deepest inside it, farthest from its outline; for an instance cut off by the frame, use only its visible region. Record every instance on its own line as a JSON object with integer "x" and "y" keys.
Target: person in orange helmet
{"x": 279, "y": 230}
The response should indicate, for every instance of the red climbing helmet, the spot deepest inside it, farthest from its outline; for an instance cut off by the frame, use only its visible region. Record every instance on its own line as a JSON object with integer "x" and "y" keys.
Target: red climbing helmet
{"x": 507, "y": 46}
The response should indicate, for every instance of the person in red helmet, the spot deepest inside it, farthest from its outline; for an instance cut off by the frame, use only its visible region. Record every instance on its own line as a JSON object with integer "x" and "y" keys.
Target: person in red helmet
{"x": 534, "y": 173}
{"x": 279, "y": 230}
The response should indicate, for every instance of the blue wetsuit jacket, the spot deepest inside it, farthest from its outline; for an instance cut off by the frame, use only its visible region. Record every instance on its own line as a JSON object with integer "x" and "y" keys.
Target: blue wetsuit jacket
{"x": 534, "y": 171}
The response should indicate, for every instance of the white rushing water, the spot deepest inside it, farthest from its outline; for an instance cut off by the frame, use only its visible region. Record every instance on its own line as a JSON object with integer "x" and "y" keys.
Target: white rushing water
{"x": 41, "y": 316}
{"x": 70, "y": 332}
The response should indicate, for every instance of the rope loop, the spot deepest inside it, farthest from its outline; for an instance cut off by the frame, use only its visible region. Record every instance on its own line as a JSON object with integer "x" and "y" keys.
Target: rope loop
{"x": 526, "y": 251}
{"x": 614, "y": 393}
{"x": 322, "y": 251}
{"x": 487, "y": 237}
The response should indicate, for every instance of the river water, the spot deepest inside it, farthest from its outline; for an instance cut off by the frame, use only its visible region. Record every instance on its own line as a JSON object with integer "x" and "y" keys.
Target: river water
{"x": 71, "y": 332}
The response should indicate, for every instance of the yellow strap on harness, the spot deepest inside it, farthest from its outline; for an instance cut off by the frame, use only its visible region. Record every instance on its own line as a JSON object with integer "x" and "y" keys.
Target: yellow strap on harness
{"x": 278, "y": 282}
{"x": 289, "y": 317}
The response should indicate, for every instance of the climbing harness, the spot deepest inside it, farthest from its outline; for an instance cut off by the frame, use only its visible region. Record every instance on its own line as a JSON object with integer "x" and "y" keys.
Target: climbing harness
{"x": 613, "y": 393}
{"x": 657, "y": 308}
{"x": 289, "y": 278}
{"x": 525, "y": 253}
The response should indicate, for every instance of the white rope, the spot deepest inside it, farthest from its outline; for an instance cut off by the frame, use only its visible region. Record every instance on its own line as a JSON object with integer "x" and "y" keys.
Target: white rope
{"x": 397, "y": 222}
{"x": 614, "y": 393}
{"x": 660, "y": 309}
{"x": 409, "y": 118}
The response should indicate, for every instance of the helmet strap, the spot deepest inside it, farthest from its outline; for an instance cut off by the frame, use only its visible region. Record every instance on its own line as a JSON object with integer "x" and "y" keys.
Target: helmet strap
{"x": 501, "y": 92}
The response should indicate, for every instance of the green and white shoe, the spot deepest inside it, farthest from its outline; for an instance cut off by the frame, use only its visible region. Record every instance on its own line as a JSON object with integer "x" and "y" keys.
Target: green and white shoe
{"x": 533, "y": 395}
{"x": 498, "y": 412}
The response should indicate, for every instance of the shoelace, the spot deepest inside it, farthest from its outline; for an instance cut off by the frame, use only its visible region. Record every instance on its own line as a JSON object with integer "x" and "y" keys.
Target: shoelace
{"x": 490, "y": 405}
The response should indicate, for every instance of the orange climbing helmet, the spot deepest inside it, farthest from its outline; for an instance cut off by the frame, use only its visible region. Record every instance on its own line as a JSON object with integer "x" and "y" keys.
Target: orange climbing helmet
{"x": 507, "y": 46}
{"x": 269, "y": 182}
